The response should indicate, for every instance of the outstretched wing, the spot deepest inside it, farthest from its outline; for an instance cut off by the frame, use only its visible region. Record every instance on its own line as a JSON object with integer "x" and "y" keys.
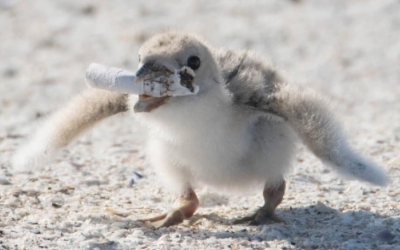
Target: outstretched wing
{"x": 255, "y": 84}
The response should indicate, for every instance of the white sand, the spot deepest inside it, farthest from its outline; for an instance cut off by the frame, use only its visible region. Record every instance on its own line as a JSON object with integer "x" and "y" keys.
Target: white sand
{"x": 349, "y": 50}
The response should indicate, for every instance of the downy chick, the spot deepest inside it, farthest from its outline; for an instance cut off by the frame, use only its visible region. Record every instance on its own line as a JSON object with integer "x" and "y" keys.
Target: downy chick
{"x": 238, "y": 131}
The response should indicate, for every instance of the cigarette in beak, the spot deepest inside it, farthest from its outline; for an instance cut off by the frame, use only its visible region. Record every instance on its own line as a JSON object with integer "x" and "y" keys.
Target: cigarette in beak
{"x": 177, "y": 83}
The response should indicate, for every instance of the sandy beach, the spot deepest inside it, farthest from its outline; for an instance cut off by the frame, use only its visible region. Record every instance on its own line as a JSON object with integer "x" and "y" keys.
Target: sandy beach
{"x": 94, "y": 191}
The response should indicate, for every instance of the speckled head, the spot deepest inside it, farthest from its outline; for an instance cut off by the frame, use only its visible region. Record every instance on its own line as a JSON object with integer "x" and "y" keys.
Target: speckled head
{"x": 173, "y": 50}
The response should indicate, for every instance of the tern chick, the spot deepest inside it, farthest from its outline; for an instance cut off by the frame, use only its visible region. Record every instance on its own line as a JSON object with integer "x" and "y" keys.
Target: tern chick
{"x": 239, "y": 130}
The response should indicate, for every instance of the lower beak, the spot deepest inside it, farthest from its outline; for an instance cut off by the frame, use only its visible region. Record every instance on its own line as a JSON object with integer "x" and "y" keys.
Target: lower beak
{"x": 148, "y": 103}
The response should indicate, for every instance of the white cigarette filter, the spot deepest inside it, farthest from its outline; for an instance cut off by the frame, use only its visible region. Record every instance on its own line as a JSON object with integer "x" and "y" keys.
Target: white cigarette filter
{"x": 157, "y": 81}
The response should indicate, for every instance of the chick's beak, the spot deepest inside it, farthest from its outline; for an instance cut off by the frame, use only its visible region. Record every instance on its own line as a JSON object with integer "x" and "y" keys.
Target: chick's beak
{"x": 148, "y": 72}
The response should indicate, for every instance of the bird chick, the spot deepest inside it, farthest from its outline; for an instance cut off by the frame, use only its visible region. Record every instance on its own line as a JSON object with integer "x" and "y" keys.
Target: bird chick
{"x": 239, "y": 130}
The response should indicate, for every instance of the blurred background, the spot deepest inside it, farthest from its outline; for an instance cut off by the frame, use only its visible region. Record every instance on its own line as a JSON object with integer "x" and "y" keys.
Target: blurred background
{"x": 45, "y": 46}
{"x": 349, "y": 50}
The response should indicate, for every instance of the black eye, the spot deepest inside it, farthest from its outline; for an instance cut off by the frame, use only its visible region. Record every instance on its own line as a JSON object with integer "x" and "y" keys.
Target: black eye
{"x": 193, "y": 62}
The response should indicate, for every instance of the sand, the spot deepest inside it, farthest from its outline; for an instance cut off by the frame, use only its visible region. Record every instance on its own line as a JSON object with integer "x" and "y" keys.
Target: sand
{"x": 88, "y": 197}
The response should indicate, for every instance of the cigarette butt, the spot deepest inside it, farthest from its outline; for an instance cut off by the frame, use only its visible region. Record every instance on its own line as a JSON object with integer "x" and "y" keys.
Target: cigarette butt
{"x": 124, "y": 81}
{"x": 112, "y": 79}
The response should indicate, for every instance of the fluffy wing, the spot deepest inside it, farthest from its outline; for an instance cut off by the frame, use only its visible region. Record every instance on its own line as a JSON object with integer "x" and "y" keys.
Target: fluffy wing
{"x": 256, "y": 84}
{"x": 65, "y": 124}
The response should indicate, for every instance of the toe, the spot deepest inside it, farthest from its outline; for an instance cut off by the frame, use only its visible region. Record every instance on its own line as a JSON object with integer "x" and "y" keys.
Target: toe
{"x": 173, "y": 218}
{"x": 261, "y": 217}
{"x": 264, "y": 219}
{"x": 243, "y": 220}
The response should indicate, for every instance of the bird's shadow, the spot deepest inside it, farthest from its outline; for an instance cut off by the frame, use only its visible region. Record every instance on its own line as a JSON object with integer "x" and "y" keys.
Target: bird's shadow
{"x": 310, "y": 227}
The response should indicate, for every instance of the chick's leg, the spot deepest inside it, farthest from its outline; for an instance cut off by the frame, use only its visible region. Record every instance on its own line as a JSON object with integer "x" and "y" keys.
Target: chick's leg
{"x": 273, "y": 196}
{"x": 188, "y": 203}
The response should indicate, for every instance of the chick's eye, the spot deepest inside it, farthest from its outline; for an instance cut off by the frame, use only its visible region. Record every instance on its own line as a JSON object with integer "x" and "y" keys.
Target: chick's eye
{"x": 139, "y": 58}
{"x": 193, "y": 62}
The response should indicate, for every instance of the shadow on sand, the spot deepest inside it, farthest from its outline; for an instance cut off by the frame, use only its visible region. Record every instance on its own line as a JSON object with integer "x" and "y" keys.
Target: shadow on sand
{"x": 308, "y": 227}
